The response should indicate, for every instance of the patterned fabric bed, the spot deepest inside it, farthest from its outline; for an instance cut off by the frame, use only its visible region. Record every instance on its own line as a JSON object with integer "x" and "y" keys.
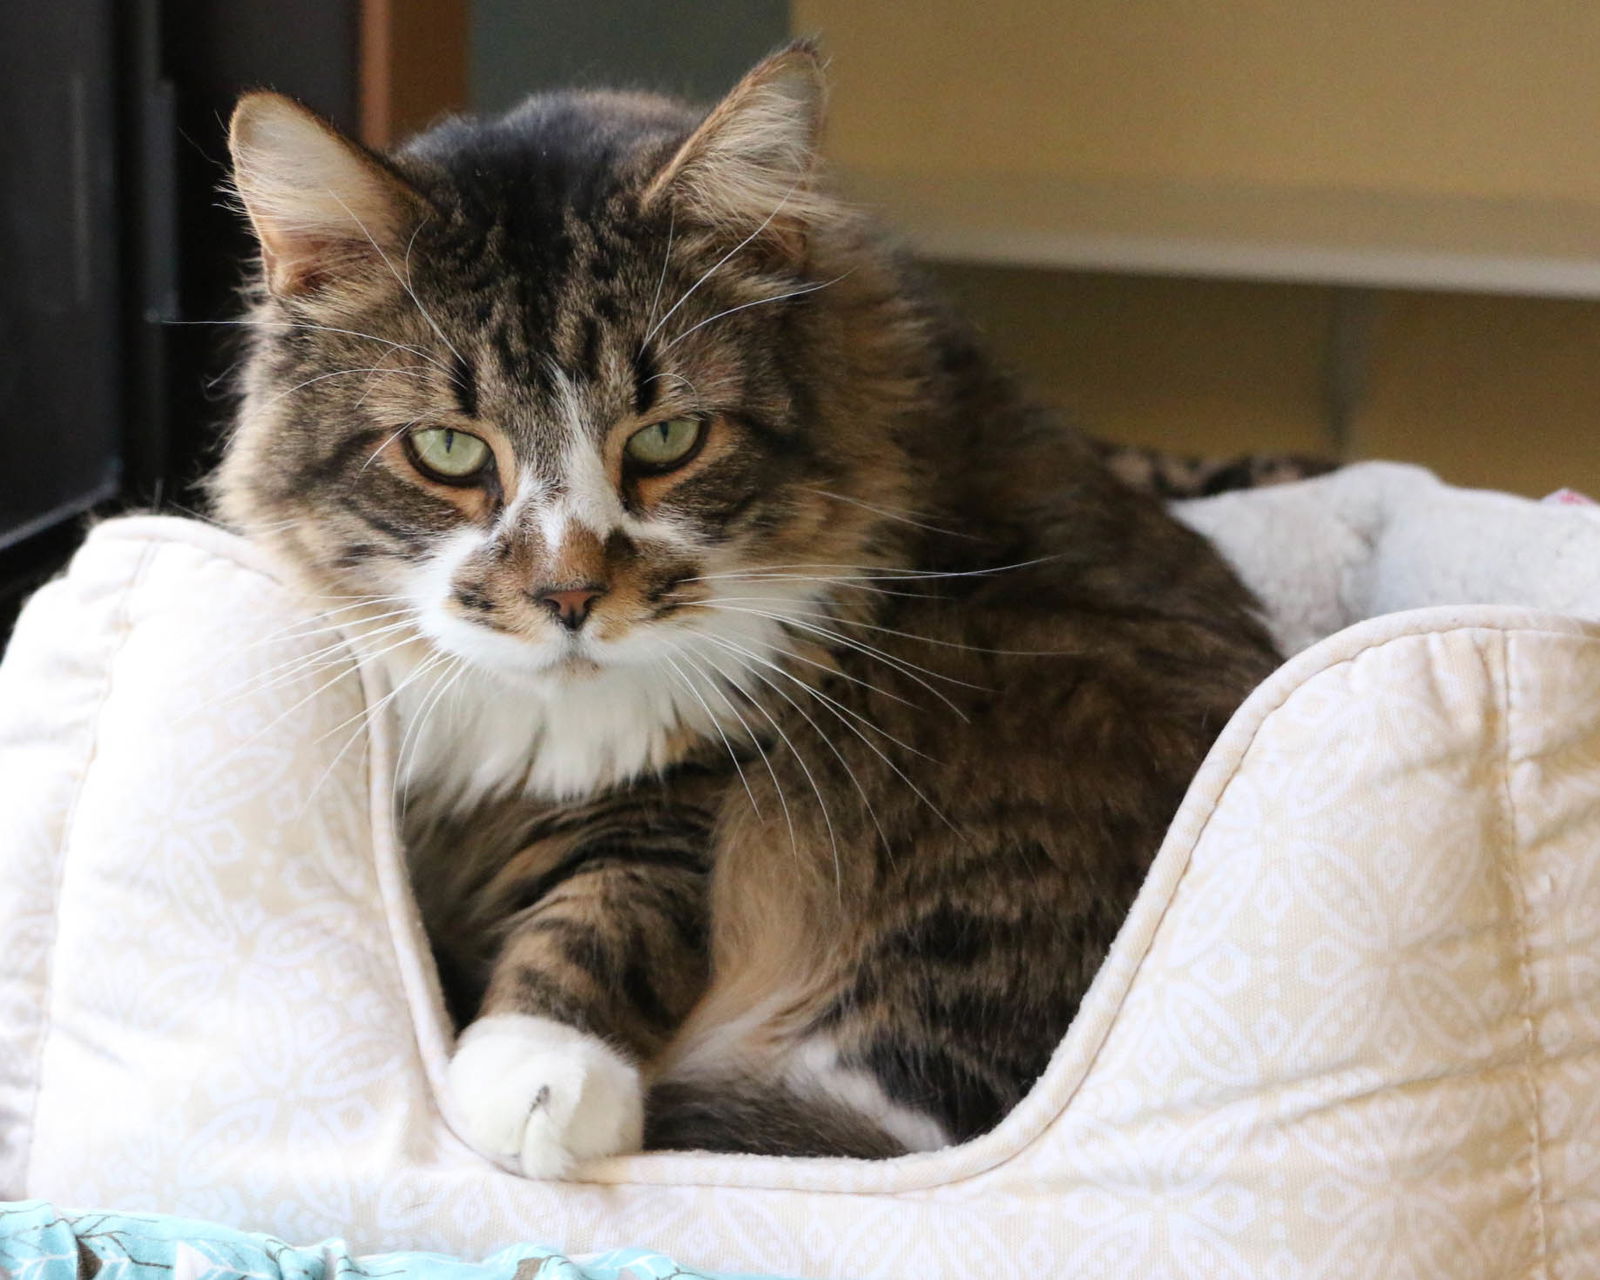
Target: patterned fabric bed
{"x": 1351, "y": 1027}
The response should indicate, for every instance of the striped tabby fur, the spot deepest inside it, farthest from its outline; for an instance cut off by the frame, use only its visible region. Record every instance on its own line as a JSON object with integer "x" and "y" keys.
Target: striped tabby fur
{"x": 795, "y": 788}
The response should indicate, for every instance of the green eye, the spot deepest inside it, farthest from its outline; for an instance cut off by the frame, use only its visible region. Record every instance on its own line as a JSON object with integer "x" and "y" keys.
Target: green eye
{"x": 665, "y": 444}
{"x": 447, "y": 454}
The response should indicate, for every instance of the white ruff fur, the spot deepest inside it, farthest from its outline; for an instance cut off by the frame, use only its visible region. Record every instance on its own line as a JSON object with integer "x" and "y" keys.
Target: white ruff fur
{"x": 505, "y": 715}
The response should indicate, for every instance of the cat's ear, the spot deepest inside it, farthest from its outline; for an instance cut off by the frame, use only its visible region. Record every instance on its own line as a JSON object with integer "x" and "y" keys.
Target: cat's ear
{"x": 322, "y": 207}
{"x": 750, "y": 163}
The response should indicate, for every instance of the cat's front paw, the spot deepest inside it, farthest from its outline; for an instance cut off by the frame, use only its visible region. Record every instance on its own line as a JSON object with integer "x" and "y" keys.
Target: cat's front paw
{"x": 538, "y": 1096}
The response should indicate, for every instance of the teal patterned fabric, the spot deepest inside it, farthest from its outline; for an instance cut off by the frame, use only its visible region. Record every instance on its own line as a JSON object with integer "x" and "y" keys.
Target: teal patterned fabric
{"x": 40, "y": 1242}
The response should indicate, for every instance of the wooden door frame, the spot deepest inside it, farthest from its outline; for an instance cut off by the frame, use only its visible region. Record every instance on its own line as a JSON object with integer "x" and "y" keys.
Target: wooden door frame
{"x": 414, "y": 65}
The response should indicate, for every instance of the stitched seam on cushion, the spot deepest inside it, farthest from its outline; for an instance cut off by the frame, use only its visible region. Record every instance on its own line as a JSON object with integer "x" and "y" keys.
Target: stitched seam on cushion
{"x": 919, "y": 1178}
{"x": 419, "y": 983}
{"x": 122, "y": 627}
{"x": 1519, "y": 906}
{"x": 419, "y": 990}
{"x": 1137, "y": 965}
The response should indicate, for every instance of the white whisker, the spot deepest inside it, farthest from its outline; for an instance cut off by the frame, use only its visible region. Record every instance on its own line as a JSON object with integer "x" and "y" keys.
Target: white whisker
{"x": 291, "y": 631}
{"x": 904, "y": 666}
{"x": 715, "y": 724}
{"x": 418, "y": 725}
{"x": 777, "y": 787}
{"x": 822, "y": 804}
{"x": 366, "y": 716}
{"x": 404, "y": 427}
{"x": 717, "y": 265}
{"x": 283, "y": 672}
{"x": 847, "y": 583}
{"x": 889, "y": 513}
{"x": 343, "y": 373}
{"x": 872, "y": 746}
{"x": 678, "y": 377}
{"x": 868, "y": 573}
{"x": 744, "y": 306}
{"x": 911, "y": 635}
{"x": 841, "y": 674}
{"x": 320, "y": 689}
{"x": 324, "y": 328}
{"x": 666, "y": 260}
{"x": 839, "y": 708}
{"x": 404, "y": 281}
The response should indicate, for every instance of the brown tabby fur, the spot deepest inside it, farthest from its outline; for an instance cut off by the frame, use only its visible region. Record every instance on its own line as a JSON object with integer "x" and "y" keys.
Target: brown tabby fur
{"x": 947, "y": 789}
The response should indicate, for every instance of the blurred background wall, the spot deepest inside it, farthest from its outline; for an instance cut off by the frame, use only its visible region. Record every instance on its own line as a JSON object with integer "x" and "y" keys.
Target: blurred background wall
{"x": 695, "y": 49}
{"x": 1358, "y": 228}
{"x": 1349, "y": 227}
{"x": 1448, "y": 150}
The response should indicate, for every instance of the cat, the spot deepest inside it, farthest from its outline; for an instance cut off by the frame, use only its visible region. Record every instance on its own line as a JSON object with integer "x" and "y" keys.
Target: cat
{"x": 1177, "y": 476}
{"x": 789, "y": 708}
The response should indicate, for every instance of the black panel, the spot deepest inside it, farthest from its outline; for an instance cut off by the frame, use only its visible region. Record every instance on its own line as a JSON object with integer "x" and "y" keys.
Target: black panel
{"x": 212, "y": 52}
{"x": 117, "y": 254}
{"x": 60, "y": 449}
{"x": 694, "y": 48}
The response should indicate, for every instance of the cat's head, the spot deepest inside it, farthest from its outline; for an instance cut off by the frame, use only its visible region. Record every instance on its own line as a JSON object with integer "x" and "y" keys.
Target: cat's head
{"x": 571, "y": 389}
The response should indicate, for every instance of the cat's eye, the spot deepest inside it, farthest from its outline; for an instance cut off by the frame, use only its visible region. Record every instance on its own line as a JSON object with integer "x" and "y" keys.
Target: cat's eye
{"x": 449, "y": 455}
{"x": 664, "y": 445}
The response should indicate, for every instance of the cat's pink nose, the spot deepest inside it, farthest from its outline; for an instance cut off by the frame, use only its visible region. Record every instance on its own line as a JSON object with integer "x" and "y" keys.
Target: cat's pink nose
{"x": 570, "y": 606}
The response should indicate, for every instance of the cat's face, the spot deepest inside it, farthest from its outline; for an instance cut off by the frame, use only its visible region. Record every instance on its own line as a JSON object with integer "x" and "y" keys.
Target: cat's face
{"x": 546, "y": 390}
{"x": 553, "y": 487}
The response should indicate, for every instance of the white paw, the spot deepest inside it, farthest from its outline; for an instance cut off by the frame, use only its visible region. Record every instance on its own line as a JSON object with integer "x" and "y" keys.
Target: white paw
{"x": 537, "y": 1095}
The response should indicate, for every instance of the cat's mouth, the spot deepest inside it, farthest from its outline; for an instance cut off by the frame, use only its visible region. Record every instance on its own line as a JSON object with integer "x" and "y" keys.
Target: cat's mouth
{"x": 535, "y": 660}
{"x": 575, "y": 665}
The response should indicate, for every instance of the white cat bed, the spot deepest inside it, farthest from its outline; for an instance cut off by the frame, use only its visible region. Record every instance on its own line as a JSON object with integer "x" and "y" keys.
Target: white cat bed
{"x": 1351, "y": 1027}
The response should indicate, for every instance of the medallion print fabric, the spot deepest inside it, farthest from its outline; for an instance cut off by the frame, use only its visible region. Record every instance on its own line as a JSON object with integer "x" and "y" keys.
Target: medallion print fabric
{"x": 1350, "y": 1028}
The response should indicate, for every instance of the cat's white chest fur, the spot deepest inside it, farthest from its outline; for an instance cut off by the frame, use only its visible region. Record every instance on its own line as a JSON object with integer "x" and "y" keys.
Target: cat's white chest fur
{"x": 464, "y": 735}
{"x": 481, "y": 716}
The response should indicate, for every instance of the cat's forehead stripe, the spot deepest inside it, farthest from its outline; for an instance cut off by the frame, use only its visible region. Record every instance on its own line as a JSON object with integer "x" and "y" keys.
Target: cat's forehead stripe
{"x": 465, "y": 383}
{"x": 647, "y": 382}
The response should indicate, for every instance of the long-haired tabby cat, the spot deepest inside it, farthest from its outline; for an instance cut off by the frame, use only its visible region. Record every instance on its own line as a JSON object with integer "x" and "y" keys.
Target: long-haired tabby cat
{"x": 789, "y": 709}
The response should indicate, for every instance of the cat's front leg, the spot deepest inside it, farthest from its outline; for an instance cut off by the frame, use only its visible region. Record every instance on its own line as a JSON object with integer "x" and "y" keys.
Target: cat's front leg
{"x": 593, "y": 976}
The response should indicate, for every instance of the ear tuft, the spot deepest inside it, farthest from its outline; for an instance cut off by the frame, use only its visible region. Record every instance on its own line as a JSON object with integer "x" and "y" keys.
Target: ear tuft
{"x": 321, "y": 205}
{"x": 752, "y": 159}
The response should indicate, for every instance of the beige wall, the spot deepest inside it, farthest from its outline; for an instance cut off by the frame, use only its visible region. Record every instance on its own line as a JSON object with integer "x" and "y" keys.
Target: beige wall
{"x": 1479, "y": 97}
{"x": 1496, "y": 392}
{"x": 1138, "y": 358}
{"x": 1493, "y": 98}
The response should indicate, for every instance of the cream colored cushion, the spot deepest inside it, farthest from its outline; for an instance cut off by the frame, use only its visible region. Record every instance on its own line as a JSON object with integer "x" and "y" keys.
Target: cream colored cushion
{"x": 1351, "y": 1027}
